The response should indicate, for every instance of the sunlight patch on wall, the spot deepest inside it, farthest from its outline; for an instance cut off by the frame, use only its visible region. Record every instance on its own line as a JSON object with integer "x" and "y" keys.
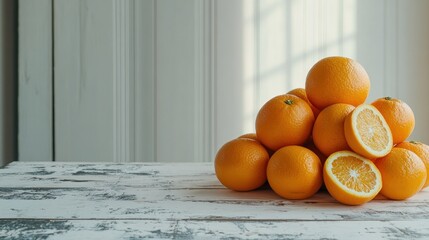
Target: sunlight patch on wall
{"x": 283, "y": 39}
{"x": 250, "y": 83}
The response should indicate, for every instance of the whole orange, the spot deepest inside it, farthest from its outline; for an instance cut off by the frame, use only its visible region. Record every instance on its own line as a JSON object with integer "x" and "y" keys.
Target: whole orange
{"x": 403, "y": 174}
{"x": 398, "y": 115}
{"x": 337, "y": 80}
{"x": 284, "y": 120}
{"x": 311, "y": 146}
{"x": 328, "y": 129}
{"x": 254, "y": 137}
{"x": 241, "y": 164}
{"x": 421, "y": 150}
{"x": 300, "y": 92}
{"x": 250, "y": 136}
{"x": 294, "y": 172}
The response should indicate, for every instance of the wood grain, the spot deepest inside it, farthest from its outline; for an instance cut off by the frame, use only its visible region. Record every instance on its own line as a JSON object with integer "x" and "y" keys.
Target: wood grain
{"x": 182, "y": 200}
{"x": 171, "y": 229}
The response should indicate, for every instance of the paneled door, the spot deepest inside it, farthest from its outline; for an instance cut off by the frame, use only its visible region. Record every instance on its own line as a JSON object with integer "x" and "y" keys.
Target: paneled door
{"x": 169, "y": 81}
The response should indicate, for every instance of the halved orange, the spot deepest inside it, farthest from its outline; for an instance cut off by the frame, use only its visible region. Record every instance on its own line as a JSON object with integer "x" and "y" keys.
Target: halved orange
{"x": 367, "y": 132}
{"x": 350, "y": 178}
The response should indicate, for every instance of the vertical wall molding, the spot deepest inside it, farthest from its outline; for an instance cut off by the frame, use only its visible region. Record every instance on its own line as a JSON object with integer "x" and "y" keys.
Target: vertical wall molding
{"x": 211, "y": 85}
{"x": 145, "y": 81}
{"x": 123, "y": 86}
{"x": 199, "y": 79}
{"x": 203, "y": 79}
{"x": 136, "y": 69}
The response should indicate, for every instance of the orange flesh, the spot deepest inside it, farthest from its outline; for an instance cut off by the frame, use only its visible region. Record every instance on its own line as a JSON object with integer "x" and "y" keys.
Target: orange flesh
{"x": 352, "y": 173}
{"x": 371, "y": 130}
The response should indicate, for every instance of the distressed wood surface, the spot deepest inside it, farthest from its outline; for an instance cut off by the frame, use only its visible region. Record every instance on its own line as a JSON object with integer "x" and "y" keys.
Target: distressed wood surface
{"x": 182, "y": 201}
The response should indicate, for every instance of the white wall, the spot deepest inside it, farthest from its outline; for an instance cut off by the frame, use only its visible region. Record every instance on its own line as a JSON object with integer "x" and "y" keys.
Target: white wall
{"x": 174, "y": 80}
{"x": 7, "y": 81}
{"x": 35, "y": 123}
{"x": 266, "y": 48}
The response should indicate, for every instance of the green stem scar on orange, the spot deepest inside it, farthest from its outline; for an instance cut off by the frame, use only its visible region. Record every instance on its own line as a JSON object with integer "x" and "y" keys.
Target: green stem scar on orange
{"x": 289, "y": 102}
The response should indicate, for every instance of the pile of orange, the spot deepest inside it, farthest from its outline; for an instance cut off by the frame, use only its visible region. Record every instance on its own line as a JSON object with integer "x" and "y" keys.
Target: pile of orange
{"x": 327, "y": 135}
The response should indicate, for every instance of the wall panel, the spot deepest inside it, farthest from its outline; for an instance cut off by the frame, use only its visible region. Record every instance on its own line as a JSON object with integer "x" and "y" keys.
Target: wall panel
{"x": 35, "y": 125}
{"x": 174, "y": 80}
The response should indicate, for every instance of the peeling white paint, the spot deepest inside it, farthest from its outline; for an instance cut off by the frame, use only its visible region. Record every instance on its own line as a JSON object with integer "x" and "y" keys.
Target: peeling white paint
{"x": 117, "y": 201}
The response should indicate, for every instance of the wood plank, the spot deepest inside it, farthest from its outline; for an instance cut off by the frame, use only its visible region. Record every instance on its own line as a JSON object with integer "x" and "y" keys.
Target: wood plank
{"x": 171, "y": 229}
{"x": 35, "y": 124}
{"x": 60, "y": 203}
{"x": 182, "y": 200}
{"x": 169, "y": 191}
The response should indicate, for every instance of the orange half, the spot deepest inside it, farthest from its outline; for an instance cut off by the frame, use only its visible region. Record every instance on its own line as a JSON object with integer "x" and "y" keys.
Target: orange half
{"x": 367, "y": 132}
{"x": 351, "y": 179}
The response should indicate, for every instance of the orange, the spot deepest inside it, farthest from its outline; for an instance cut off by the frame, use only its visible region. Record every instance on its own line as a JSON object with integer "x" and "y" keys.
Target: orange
{"x": 350, "y": 178}
{"x": 367, "y": 133}
{"x": 241, "y": 164}
{"x": 294, "y": 172}
{"x": 284, "y": 120}
{"x": 337, "y": 80}
{"x": 300, "y": 92}
{"x": 403, "y": 173}
{"x": 254, "y": 137}
{"x": 311, "y": 146}
{"x": 421, "y": 150}
{"x": 398, "y": 115}
{"x": 250, "y": 136}
{"x": 328, "y": 129}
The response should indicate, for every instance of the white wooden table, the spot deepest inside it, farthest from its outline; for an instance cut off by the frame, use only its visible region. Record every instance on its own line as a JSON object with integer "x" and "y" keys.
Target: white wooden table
{"x": 182, "y": 201}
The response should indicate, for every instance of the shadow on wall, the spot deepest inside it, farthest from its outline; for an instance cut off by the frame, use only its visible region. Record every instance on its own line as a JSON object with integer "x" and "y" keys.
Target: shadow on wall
{"x": 8, "y": 81}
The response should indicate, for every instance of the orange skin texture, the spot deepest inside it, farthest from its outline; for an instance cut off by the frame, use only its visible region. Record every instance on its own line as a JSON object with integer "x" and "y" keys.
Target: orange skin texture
{"x": 337, "y": 80}
{"x": 403, "y": 174}
{"x": 328, "y": 129}
{"x": 311, "y": 146}
{"x": 250, "y": 136}
{"x": 284, "y": 120}
{"x": 241, "y": 164}
{"x": 300, "y": 92}
{"x": 254, "y": 137}
{"x": 421, "y": 150}
{"x": 398, "y": 115}
{"x": 295, "y": 172}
